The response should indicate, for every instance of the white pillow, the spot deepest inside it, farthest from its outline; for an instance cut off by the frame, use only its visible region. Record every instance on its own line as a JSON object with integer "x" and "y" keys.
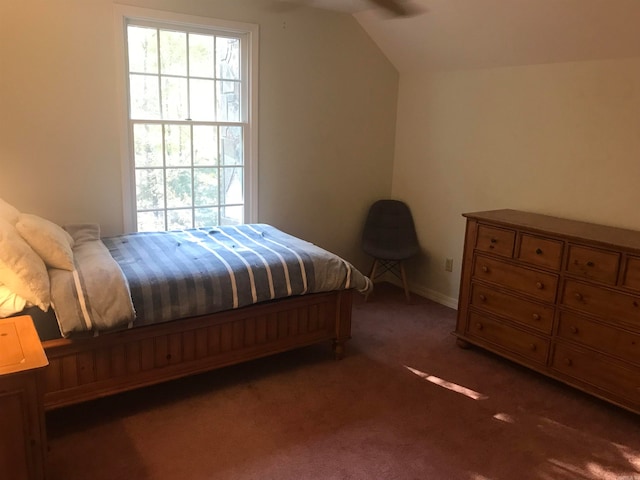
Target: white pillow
{"x": 48, "y": 240}
{"x": 21, "y": 269}
{"x": 10, "y": 303}
{"x": 8, "y": 212}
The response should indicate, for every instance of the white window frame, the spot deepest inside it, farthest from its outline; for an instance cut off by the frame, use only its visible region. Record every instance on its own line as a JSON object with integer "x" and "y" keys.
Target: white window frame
{"x": 125, "y": 14}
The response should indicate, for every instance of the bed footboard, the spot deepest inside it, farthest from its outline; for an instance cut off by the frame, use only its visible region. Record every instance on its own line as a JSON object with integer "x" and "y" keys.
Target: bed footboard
{"x": 89, "y": 368}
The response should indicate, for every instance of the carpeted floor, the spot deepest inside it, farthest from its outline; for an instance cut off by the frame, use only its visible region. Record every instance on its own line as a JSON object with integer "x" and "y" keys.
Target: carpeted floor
{"x": 405, "y": 403}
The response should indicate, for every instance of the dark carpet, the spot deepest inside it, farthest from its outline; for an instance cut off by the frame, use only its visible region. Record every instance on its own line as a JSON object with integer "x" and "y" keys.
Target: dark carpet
{"x": 406, "y": 403}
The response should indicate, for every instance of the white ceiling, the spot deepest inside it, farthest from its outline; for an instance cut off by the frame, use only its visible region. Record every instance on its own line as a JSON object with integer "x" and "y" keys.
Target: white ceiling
{"x": 468, "y": 34}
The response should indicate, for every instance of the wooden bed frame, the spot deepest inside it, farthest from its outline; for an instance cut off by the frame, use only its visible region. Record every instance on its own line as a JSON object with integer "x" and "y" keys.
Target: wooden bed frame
{"x": 90, "y": 368}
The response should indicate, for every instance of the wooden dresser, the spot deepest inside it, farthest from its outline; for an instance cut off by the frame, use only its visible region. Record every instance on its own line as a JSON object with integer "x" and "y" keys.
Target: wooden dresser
{"x": 559, "y": 296}
{"x": 22, "y": 424}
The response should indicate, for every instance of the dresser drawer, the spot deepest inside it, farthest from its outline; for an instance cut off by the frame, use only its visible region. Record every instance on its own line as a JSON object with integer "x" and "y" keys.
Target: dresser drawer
{"x": 498, "y": 241}
{"x": 537, "y": 284}
{"x": 508, "y": 338}
{"x": 593, "y": 263}
{"x": 532, "y": 314}
{"x": 597, "y": 370}
{"x": 602, "y": 337}
{"x": 632, "y": 273}
{"x": 602, "y": 302}
{"x": 540, "y": 251}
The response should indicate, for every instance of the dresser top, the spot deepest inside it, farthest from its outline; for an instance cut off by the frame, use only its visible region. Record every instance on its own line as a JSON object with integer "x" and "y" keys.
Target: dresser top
{"x": 20, "y": 347}
{"x": 562, "y": 227}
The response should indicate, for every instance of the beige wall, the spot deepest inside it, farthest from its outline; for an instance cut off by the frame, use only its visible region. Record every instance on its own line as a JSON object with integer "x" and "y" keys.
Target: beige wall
{"x": 327, "y": 115}
{"x": 560, "y": 139}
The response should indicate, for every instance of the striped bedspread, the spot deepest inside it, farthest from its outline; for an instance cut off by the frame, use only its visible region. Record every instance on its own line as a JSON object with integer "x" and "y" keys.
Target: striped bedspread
{"x": 179, "y": 274}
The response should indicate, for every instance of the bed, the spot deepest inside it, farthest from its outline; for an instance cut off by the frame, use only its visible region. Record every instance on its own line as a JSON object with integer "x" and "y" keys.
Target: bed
{"x": 243, "y": 292}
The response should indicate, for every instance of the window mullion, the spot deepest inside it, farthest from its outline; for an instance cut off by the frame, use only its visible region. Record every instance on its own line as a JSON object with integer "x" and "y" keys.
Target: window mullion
{"x": 215, "y": 78}
{"x": 219, "y": 171}
{"x": 159, "y": 60}
{"x": 164, "y": 176}
{"x": 190, "y": 120}
{"x": 189, "y": 117}
{"x": 193, "y": 179}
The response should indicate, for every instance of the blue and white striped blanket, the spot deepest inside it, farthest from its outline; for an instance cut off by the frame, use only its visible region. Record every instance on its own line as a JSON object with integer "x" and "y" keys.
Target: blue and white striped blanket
{"x": 172, "y": 275}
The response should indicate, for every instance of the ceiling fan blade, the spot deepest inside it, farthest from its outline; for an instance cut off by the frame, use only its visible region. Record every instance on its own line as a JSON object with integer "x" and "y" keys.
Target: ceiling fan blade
{"x": 399, "y": 8}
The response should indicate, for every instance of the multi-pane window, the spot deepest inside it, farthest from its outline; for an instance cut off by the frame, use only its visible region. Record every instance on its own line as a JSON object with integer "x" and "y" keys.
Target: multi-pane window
{"x": 188, "y": 111}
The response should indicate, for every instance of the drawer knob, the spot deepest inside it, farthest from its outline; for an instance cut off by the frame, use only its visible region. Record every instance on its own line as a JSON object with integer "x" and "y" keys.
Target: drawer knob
{"x": 536, "y": 317}
{"x": 635, "y": 303}
{"x": 573, "y": 329}
{"x": 590, "y": 263}
{"x": 483, "y": 298}
{"x": 479, "y": 326}
{"x": 578, "y": 296}
{"x": 568, "y": 362}
{"x": 539, "y": 285}
{"x": 494, "y": 240}
{"x": 538, "y": 251}
{"x": 533, "y": 347}
{"x": 485, "y": 269}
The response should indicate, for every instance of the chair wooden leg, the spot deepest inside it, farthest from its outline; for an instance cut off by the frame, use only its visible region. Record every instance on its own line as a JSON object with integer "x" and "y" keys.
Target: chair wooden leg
{"x": 404, "y": 282}
{"x": 374, "y": 267}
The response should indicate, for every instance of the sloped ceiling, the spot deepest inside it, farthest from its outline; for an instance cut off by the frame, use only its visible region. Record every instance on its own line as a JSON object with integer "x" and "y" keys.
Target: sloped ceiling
{"x": 472, "y": 34}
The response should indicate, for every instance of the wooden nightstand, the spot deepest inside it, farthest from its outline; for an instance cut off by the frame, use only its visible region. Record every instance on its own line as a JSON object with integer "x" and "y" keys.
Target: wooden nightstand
{"x": 22, "y": 426}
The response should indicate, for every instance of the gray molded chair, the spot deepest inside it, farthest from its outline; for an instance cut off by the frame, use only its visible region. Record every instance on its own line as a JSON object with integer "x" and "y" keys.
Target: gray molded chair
{"x": 389, "y": 236}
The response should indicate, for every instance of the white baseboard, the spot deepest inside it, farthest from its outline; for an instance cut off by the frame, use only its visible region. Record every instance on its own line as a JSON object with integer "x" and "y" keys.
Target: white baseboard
{"x": 430, "y": 294}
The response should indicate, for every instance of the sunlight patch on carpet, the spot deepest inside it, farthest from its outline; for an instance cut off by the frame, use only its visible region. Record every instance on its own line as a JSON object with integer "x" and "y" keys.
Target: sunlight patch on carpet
{"x": 454, "y": 387}
{"x": 590, "y": 470}
{"x": 633, "y": 457}
{"x": 601, "y": 465}
{"x": 504, "y": 417}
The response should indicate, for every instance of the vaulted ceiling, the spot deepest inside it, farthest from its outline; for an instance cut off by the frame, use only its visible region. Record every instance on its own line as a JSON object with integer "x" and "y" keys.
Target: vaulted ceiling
{"x": 469, "y": 34}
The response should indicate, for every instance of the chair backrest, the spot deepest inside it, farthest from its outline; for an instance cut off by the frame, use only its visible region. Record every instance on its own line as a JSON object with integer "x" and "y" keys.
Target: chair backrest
{"x": 389, "y": 232}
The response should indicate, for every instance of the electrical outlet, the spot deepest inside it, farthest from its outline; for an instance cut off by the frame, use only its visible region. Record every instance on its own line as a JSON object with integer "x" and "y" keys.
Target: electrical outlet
{"x": 448, "y": 265}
